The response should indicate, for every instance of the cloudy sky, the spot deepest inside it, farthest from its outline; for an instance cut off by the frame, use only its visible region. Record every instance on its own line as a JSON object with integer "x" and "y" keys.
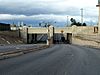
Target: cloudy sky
{"x": 35, "y": 11}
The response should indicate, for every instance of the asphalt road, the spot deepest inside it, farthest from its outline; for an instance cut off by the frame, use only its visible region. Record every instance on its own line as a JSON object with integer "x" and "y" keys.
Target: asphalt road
{"x": 57, "y": 60}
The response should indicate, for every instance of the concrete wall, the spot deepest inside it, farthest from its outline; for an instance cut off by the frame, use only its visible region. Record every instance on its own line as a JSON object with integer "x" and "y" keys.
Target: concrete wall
{"x": 25, "y": 31}
{"x": 83, "y": 30}
{"x": 74, "y": 30}
{"x": 24, "y": 34}
{"x": 84, "y": 42}
{"x": 64, "y": 29}
{"x": 37, "y": 30}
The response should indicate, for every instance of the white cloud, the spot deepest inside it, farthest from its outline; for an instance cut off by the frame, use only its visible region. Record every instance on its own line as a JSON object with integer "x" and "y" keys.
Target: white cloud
{"x": 33, "y": 17}
{"x": 45, "y": 6}
{"x": 58, "y": 18}
{"x": 47, "y": 9}
{"x": 11, "y": 17}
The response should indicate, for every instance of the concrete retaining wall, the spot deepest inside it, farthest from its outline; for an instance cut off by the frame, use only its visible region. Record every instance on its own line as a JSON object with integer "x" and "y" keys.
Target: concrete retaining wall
{"x": 86, "y": 41}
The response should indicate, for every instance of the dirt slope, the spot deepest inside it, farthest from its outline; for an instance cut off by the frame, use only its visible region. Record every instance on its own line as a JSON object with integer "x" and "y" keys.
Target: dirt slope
{"x": 9, "y": 37}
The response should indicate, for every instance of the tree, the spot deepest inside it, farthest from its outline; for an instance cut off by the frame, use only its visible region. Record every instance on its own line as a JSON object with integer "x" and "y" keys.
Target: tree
{"x": 20, "y": 26}
{"x": 78, "y": 24}
{"x": 73, "y": 22}
{"x": 14, "y": 25}
{"x": 40, "y": 24}
{"x": 84, "y": 24}
{"x": 24, "y": 24}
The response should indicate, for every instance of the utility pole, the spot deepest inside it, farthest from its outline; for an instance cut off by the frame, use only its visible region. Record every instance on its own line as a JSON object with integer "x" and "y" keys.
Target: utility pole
{"x": 67, "y": 21}
{"x": 81, "y": 15}
{"x": 98, "y": 17}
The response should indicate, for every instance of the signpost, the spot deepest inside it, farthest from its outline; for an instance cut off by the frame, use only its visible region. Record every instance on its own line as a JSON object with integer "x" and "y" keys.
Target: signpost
{"x": 62, "y": 31}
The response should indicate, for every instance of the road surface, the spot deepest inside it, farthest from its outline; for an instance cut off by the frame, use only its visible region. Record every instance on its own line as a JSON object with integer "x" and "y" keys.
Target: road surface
{"x": 57, "y": 60}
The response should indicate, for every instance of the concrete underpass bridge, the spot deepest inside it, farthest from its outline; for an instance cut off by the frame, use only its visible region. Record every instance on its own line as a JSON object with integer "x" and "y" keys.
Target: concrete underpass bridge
{"x": 53, "y": 34}
{"x": 42, "y": 35}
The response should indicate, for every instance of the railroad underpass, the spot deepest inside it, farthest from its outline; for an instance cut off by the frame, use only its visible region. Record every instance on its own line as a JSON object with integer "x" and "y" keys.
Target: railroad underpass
{"x": 37, "y": 38}
{"x": 58, "y": 38}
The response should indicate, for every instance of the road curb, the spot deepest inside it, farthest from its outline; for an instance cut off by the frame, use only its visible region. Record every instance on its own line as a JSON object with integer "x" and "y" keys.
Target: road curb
{"x": 9, "y": 54}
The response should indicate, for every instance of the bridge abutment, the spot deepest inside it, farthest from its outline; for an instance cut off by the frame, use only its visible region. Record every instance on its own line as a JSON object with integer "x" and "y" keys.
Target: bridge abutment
{"x": 50, "y": 39}
{"x": 24, "y": 35}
